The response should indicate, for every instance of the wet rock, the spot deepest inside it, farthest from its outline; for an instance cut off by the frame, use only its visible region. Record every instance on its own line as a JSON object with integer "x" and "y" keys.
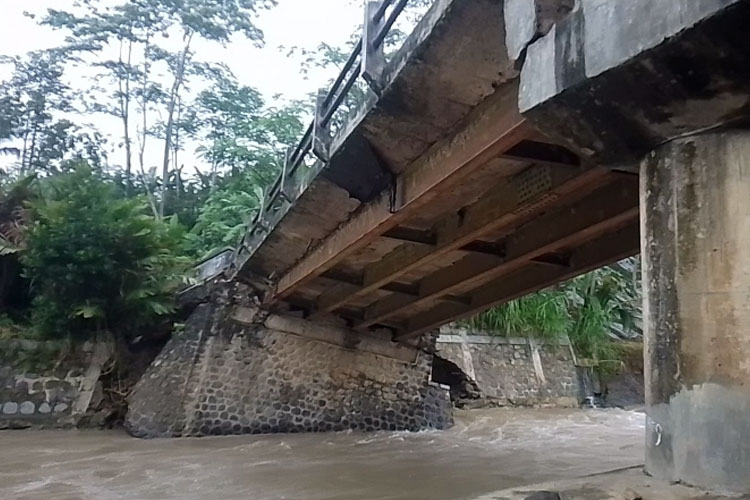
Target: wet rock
{"x": 630, "y": 494}
{"x": 10, "y": 408}
{"x": 14, "y": 424}
{"x": 544, "y": 495}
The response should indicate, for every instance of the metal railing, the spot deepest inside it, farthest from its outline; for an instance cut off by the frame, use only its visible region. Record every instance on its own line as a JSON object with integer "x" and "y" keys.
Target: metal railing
{"x": 367, "y": 60}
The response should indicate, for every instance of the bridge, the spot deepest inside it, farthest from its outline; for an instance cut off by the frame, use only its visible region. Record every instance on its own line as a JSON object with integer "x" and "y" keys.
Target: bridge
{"x": 505, "y": 147}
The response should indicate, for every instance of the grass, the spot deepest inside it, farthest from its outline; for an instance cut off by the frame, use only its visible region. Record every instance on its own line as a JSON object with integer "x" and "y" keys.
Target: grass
{"x": 592, "y": 310}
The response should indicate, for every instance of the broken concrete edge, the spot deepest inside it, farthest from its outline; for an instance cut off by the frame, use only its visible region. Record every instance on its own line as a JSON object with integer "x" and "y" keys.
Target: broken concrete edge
{"x": 336, "y": 336}
{"x": 588, "y": 42}
{"x": 614, "y": 80}
{"x": 256, "y": 235}
{"x": 395, "y": 67}
{"x": 528, "y": 20}
{"x": 103, "y": 351}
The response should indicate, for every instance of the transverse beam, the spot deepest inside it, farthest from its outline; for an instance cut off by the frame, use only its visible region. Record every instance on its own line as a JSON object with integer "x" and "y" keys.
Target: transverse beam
{"x": 492, "y": 128}
{"x": 600, "y": 252}
{"x": 607, "y": 208}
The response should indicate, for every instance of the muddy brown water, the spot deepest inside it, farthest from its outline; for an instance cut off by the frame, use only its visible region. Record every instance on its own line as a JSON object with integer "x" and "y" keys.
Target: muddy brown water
{"x": 485, "y": 451}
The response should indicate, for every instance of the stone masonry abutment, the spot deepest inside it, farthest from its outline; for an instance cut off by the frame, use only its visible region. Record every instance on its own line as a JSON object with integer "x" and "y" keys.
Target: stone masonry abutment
{"x": 237, "y": 370}
{"x": 695, "y": 226}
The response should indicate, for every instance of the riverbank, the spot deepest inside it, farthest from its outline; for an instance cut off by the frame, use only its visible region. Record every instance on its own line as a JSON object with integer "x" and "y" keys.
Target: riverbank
{"x": 486, "y": 451}
{"x": 625, "y": 484}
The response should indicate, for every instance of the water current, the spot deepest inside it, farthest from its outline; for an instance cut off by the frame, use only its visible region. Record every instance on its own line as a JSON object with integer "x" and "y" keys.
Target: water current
{"x": 486, "y": 450}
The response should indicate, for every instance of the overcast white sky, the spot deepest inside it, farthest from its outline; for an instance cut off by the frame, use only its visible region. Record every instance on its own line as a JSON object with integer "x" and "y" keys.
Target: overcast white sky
{"x": 302, "y": 23}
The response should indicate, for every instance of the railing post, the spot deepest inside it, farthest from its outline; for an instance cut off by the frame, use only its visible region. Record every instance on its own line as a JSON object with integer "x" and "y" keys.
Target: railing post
{"x": 284, "y": 170}
{"x": 321, "y": 144}
{"x": 373, "y": 55}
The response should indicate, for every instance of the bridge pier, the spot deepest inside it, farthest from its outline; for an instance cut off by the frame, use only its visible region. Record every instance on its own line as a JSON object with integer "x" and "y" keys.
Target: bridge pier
{"x": 695, "y": 226}
{"x": 236, "y": 369}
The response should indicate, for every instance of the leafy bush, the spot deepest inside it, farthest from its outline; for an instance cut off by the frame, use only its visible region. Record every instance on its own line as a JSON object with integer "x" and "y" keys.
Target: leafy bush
{"x": 98, "y": 261}
{"x": 223, "y": 220}
{"x": 19, "y": 348}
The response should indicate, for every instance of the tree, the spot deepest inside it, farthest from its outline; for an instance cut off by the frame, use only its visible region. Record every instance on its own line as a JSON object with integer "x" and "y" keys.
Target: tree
{"x": 129, "y": 28}
{"x": 132, "y": 27}
{"x": 32, "y": 104}
{"x": 14, "y": 217}
{"x": 222, "y": 220}
{"x": 97, "y": 261}
{"x": 244, "y": 144}
{"x": 240, "y": 132}
{"x": 213, "y": 20}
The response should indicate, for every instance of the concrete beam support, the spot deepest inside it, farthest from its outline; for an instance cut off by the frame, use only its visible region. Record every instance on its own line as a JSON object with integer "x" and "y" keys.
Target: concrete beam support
{"x": 695, "y": 217}
{"x": 616, "y": 78}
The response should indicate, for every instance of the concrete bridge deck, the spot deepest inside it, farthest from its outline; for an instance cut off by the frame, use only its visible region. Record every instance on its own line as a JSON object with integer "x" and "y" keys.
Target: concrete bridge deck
{"x": 438, "y": 199}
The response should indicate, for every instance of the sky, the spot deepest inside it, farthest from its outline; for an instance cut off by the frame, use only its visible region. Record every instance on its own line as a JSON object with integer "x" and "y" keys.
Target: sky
{"x": 300, "y": 23}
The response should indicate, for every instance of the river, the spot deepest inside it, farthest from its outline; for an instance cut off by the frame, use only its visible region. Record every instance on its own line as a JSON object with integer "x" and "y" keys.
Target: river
{"x": 485, "y": 451}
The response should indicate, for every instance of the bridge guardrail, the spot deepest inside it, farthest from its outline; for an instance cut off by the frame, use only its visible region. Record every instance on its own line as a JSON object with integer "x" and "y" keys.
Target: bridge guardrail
{"x": 367, "y": 60}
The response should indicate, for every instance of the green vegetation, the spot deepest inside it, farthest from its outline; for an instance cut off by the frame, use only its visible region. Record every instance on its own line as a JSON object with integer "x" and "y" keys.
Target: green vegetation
{"x": 95, "y": 239}
{"x": 543, "y": 314}
{"x": 97, "y": 261}
{"x": 18, "y": 350}
{"x": 595, "y": 311}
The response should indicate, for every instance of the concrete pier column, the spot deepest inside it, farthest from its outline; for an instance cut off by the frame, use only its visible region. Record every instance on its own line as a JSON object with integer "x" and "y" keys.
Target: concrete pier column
{"x": 695, "y": 227}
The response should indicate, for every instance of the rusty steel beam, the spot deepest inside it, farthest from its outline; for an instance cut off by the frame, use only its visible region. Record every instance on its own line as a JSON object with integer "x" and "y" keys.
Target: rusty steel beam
{"x": 525, "y": 193}
{"x": 401, "y": 289}
{"x": 492, "y": 128}
{"x": 427, "y": 238}
{"x": 597, "y": 253}
{"x": 607, "y": 208}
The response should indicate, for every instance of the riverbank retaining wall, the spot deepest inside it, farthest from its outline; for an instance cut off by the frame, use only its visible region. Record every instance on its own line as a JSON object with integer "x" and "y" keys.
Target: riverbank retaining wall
{"x": 46, "y": 394}
{"x": 513, "y": 371}
{"x": 236, "y": 370}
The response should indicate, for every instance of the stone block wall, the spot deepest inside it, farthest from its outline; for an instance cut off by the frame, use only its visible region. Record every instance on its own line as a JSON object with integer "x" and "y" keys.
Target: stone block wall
{"x": 514, "y": 371}
{"x": 229, "y": 372}
{"x": 40, "y": 398}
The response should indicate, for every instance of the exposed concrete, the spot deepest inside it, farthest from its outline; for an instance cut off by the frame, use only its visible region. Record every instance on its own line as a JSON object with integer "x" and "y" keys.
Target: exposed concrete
{"x": 530, "y": 19}
{"x": 343, "y": 337}
{"x": 625, "y": 484}
{"x": 695, "y": 212}
{"x": 616, "y": 78}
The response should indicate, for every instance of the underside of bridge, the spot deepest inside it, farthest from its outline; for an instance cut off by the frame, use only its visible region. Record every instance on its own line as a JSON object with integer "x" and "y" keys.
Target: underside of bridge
{"x": 507, "y": 146}
{"x": 478, "y": 208}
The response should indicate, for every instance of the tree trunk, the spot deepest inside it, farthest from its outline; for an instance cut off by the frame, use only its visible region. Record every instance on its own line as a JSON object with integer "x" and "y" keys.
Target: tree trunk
{"x": 25, "y": 146}
{"x": 144, "y": 132}
{"x": 125, "y": 115}
{"x": 32, "y": 147}
{"x": 173, "y": 95}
